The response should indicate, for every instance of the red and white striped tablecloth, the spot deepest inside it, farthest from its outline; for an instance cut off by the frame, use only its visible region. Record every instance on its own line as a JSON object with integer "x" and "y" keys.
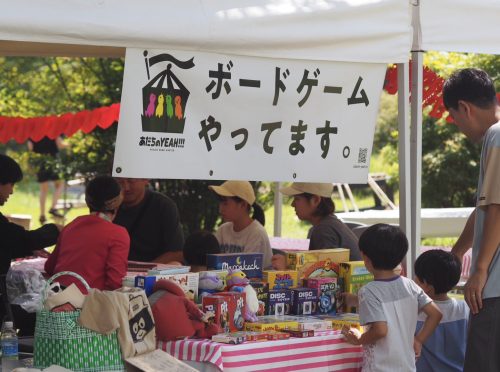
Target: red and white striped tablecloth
{"x": 326, "y": 351}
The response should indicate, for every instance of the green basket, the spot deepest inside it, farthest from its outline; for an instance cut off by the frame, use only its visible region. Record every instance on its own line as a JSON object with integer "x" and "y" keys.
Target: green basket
{"x": 60, "y": 340}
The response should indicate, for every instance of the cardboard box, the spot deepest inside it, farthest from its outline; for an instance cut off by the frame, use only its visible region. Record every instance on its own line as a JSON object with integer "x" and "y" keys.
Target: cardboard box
{"x": 280, "y": 279}
{"x": 304, "y": 301}
{"x": 344, "y": 319}
{"x": 317, "y": 263}
{"x": 275, "y": 323}
{"x": 307, "y": 323}
{"x": 262, "y": 290}
{"x": 329, "y": 294}
{"x": 354, "y": 275}
{"x": 280, "y": 302}
{"x": 187, "y": 281}
{"x": 249, "y": 263}
{"x": 300, "y": 258}
{"x": 220, "y": 307}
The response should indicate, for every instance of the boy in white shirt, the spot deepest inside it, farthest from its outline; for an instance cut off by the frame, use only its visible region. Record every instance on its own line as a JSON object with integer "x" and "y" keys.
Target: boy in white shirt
{"x": 437, "y": 272}
{"x": 388, "y": 306}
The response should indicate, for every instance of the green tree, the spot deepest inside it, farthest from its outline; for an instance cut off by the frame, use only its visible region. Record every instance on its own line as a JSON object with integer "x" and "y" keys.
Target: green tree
{"x": 31, "y": 87}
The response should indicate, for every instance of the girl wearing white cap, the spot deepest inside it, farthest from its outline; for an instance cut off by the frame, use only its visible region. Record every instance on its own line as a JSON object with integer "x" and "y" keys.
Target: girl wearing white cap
{"x": 313, "y": 203}
{"x": 240, "y": 232}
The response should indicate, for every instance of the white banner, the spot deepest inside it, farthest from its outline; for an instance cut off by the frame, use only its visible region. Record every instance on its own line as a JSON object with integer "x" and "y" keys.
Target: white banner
{"x": 193, "y": 115}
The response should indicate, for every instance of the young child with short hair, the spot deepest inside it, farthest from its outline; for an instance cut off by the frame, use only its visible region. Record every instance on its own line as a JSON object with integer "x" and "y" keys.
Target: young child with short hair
{"x": 437, "y": 272}
{"x": 388, "y": 306}
{"x": 197, "y": 246}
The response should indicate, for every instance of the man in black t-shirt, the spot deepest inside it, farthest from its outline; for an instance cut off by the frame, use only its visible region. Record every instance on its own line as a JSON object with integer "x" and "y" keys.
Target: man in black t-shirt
{"x": 152, "y": 221}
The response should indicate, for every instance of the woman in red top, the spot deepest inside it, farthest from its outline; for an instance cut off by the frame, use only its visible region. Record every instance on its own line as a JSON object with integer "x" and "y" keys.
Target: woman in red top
{"x": 92, "y": 245}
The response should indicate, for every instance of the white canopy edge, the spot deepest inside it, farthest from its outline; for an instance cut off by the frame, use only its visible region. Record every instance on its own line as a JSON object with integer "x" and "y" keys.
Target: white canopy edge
{"x": 458, "y": 26}
{"x": 374, "y": 31}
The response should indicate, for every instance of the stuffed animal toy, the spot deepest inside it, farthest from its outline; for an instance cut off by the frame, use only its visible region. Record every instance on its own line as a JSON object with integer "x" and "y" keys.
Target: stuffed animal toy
{"x": 176, "y": 316}
{"x": 237, "y": 281}
{"x": 209, "y": 283}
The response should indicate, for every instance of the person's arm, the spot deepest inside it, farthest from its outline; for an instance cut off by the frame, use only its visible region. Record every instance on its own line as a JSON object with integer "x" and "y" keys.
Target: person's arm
{"x": 278, "y": 262}
{"x": 489, "y": 245}
{"x": 24, "y": 242}
{"x": 431, "y": 322}
{"x": 116, "y": 263}
{"x": 168, "y": 257}
{"x": 377, "y": 331}
{"x": 60, "y": 143}
{"x": 464, "y": 242}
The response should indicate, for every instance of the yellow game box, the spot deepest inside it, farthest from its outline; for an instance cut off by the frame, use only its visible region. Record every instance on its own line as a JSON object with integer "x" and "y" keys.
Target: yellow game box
{"x": 355, "y": 275}
{"x": 270, "y": 322}
{"x": 280, "y": 279}
{"x": 343, "y": 319}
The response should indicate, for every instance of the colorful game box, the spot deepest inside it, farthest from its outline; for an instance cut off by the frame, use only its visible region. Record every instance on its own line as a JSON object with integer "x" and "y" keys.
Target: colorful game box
{"x": 280, "y": 302}
{"x": 277, "y": 335}
{"x": 314, "y": 323}
{"x": 341, "y": 320}
{"x": 262, "y": 290}
{"x": 317, "y": 263}
{"x": 251, "y": 335}
{"x": 249, "y": 263}
{"x": 236, "y": 308}
{"x": 270, "y": 322}
{"x": 300, "y": 334}
{"x": 304, "y": 301}
{"x": 329, "y": 294}
{"x": 280, "y": 279}
{"x": 220, "y": 307}
{"x": 229, "y": 338}
{"x": 187, "y": 281}
{"x": 355, "y": 275}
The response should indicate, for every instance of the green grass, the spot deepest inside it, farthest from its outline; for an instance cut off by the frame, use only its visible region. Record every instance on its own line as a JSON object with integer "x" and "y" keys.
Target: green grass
{"x": 24, "y": 200}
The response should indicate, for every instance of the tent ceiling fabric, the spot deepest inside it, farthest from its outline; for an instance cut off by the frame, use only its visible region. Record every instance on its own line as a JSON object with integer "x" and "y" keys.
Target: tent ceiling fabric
{"x": 459, "y": 26}
{"x": 339, "y": 30}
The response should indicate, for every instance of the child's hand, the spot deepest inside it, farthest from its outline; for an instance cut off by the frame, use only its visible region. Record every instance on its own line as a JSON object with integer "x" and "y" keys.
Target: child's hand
{"x": 417, "y": 347}
{"x": 279, "y": 262}
{"x": 352, "y": 335}
{"x": 350, "y": 299}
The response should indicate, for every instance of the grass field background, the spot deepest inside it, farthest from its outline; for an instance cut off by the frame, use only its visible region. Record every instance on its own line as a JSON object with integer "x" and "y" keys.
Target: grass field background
{"x": 25, "y": 201}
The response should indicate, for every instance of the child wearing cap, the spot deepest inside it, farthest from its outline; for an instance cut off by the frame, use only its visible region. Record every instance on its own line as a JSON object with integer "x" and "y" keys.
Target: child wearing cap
{"x": 240, "y": 232}
{"x": 92, "y": 245}
{"x": 437, "y": 272}
{"x": 313, "y": 203}
{"x": 389, "y": 305}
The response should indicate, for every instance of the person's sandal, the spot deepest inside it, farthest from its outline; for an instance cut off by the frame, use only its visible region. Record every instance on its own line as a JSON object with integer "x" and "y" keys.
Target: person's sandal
{"x": 42, "y": 219}
{"x": 55, "y": 213}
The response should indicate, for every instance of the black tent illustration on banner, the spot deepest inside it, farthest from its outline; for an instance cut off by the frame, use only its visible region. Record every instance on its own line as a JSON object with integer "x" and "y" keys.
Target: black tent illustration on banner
{"x": 164, "y": 105}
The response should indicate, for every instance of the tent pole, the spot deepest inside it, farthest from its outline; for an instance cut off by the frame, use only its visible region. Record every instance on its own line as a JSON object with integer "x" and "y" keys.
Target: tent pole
{"x": 416, "y": 151}
{"x": 278, "y": 207}
{"x": 404, "y": 159}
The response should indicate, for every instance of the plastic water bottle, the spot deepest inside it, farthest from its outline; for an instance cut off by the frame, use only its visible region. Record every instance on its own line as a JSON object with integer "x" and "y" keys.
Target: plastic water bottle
{"x": 9, "y": 341}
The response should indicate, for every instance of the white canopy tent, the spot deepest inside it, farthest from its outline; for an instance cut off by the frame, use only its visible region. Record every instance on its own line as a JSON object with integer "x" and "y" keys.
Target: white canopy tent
{"x": 337, "y": 30}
